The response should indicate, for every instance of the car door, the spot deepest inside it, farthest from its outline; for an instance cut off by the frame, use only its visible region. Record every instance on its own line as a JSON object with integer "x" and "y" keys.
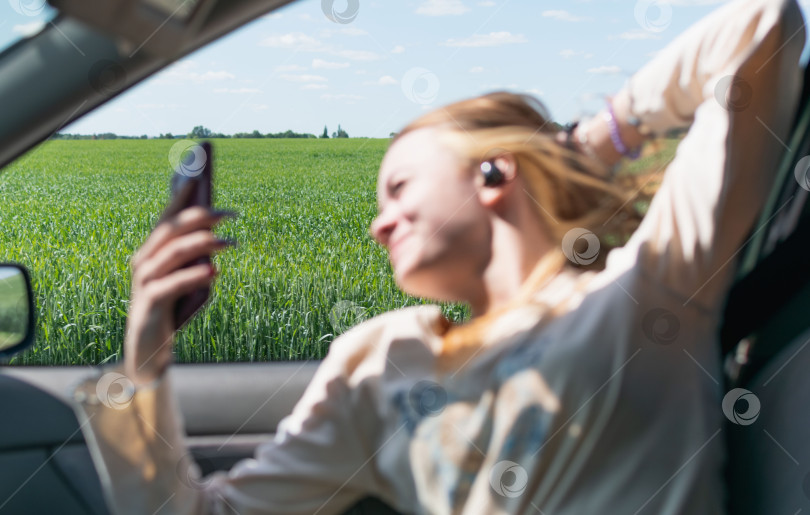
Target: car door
{"x": 229, "y": 409}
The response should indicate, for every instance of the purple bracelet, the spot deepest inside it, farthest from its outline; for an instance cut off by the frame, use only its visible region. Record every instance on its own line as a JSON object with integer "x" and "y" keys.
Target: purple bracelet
{"x": 618, "y": 144}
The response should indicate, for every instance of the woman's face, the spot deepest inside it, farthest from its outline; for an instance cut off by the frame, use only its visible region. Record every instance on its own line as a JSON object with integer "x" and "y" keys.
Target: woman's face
{"x": 430, "y": 219}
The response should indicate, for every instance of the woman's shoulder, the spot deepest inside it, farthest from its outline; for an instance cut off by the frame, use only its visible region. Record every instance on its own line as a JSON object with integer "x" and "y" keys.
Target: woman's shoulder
{"x": 411, "y": 333}
{"x": 407, "y": 321}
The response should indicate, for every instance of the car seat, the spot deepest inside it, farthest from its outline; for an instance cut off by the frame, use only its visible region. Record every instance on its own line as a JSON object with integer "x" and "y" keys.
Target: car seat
{"x": 764, "y": 336}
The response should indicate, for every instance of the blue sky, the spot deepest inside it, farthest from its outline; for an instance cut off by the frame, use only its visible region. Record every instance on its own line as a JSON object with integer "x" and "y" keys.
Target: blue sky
{"x": 386, "y": 62}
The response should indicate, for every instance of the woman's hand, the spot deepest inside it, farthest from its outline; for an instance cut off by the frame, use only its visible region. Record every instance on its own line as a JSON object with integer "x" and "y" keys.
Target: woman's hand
{"x": 158, "y": 281}
{"x": 595, "y": 133}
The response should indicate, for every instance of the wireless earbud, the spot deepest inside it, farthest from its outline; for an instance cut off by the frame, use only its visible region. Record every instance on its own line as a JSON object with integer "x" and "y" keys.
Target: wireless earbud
{"x": 493, "y": 175}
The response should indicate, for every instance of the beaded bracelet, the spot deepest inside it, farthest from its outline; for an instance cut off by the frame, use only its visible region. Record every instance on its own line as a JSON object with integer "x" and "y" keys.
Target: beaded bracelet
{"x": 615, "y": 137}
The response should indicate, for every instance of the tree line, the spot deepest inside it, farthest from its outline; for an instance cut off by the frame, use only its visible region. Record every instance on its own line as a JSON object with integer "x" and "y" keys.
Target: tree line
{"x": 201, "y": 132}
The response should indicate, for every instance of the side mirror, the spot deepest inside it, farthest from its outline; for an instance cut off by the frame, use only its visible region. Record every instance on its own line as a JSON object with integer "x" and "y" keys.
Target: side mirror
{"x": 16, "y": 310}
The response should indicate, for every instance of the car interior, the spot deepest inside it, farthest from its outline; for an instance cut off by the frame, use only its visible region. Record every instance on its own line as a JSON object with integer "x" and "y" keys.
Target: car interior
{"x": 45, "y": 466}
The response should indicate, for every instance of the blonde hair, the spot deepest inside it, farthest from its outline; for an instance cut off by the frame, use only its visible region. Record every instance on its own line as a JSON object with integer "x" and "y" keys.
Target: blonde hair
{"x": 569, "y": 191}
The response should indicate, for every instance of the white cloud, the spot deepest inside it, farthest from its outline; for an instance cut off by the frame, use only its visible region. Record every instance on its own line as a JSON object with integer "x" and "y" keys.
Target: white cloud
{"x": 214, "y": 75}
{"x": 186, "y": 71}
{"x": 398, "y": 49}
{"x": 303, "y": 78}
{"x": 487, "y": 3}
{"x": 237, "y": 90}
{"x": 563, "y": 16}
{"x": 314, "y": 86}
{"x": 605, "y": 70}
{"x": 258, "y": 107}
{"x": 320, "y": 64}
{"x": 28, "y": 29}
{"x": 441, "y": 8}
{"x": 357, "y": 55}
{"x": 294, "y": 40}
{"x": 477, "y": 69}
{"x": 385, "y": 80}
{"x": 303, "y": 43}
{"x": 485, "y": 40}
{"x": 289, "y": 68}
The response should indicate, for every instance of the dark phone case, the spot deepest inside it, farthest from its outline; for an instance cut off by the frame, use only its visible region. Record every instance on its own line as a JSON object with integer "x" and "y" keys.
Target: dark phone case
{"x": 191, "y": 186}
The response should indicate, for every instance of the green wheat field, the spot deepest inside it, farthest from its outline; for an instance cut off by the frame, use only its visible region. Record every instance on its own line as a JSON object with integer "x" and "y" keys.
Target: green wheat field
{"x": 305, "y": 268}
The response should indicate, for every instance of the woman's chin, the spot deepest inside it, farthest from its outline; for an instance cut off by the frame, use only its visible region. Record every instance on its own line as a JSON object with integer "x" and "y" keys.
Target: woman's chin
{"x": 418, "y": 283}
{"x": 414, "y": 277}
{"x": 406, "y": 276}
{"x": 401, "y": 276}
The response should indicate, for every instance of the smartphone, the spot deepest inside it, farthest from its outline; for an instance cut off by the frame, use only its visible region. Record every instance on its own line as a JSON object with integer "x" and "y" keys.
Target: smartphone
{"x": 191, "y": 185}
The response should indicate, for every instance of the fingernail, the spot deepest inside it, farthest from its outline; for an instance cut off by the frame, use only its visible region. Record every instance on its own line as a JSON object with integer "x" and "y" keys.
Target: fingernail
{"x": 221, "y": 213}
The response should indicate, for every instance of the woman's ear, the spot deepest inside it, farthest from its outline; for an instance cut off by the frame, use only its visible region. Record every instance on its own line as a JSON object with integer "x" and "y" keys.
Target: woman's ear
{"x": 508, "y": 165}
{"x": 491, "y": 195}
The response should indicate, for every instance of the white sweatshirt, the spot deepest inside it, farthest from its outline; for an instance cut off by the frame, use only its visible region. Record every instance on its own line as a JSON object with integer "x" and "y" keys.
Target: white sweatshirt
{"x": 614, "y": 407}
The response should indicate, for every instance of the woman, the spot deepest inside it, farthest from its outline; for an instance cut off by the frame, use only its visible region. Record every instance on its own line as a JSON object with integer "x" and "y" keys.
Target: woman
{"x": 572, "y": 390}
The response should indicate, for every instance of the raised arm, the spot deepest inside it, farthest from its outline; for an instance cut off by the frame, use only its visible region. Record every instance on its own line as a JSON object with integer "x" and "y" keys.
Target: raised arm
{"x": 734, "y": 77}
{"x": 343, "y": 441}
{"x": 135, "y": 432}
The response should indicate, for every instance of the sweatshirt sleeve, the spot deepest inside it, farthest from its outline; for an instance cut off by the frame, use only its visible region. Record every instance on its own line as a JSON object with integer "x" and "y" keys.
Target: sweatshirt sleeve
{"x": 317, "y": 462}
{"x": 733, "y": 79}
{"x": 343, "y": 441}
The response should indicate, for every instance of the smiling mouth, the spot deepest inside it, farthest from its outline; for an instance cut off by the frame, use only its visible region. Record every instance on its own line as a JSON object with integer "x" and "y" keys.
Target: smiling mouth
{"x": 395, "y": 246}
